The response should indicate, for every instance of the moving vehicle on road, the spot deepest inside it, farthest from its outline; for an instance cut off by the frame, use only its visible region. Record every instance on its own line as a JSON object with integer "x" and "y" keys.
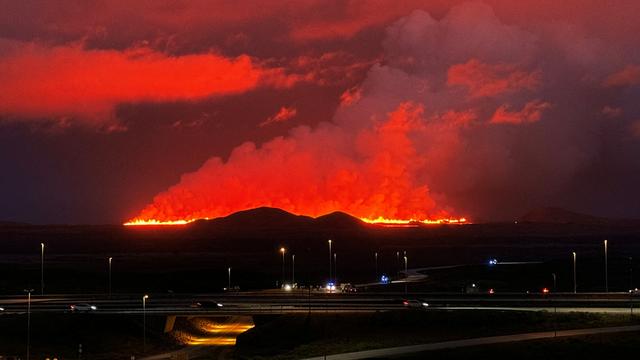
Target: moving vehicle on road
{"x": 206, "y": 304}
{"x": 82, "y": 307}
{"x": 415, "y": 303}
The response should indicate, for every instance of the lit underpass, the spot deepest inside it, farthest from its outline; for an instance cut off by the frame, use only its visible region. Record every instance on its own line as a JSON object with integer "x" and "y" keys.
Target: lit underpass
{"x": 210, "y": 331}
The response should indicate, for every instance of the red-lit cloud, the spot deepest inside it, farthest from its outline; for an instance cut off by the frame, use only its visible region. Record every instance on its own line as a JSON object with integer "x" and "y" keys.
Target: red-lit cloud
{"x": 72, "y": 82}
{"x": 485, "y": 80}
{"x": 630, "y": 75}
{"x": 350, "y": 96}
{"x": 531, "y": 112}
{"x": 285, "y": 113}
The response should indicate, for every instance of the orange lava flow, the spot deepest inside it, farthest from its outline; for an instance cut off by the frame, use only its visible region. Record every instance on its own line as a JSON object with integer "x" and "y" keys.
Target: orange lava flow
{"x": 385, "y": 221}
{"x": 379, "y": 220}
{"x": 153, "y": 222}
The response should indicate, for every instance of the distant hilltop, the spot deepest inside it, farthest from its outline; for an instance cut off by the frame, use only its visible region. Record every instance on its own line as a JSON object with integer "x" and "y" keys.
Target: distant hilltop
{"x": 556, "y": 215}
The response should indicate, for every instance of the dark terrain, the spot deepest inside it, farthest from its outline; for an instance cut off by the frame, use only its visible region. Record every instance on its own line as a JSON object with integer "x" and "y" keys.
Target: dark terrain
{"x": 195, "y": 257}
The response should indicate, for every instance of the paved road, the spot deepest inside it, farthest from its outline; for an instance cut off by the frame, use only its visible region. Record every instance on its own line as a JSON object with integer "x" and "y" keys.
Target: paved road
{"x": 403, "y": 350}
{"x": 274, "y": 302}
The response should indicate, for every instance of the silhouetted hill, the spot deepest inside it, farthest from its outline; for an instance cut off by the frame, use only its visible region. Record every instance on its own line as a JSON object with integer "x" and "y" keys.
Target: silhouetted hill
{"x": 338, "y": 219}
{"x": 260, "y": 218}
{"x": 555, "y": 215}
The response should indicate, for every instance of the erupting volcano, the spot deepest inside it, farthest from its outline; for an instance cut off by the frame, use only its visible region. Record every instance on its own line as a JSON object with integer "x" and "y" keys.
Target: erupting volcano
{"x": 375, "y": 173}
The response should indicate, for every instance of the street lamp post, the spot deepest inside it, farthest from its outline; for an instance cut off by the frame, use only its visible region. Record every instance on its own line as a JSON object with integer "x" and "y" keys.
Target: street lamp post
{"x": 397, "y": 262}
{"x": 606, "y": 267}
{"x": 405, "y": 272}
{"x": 575, "y": 286}
{"x": 554, "y": 281}
{"x": 335, "y": 268}
{"x": 28, "y": 291}
{"x": 42, "y": 268}
{"x": 375, "y": 255}
{"x": 144, "y": 323}
{"x": 330, "y": 260}
{"x": 110, "y": 260}
{"x": 631, "y": 273}
{"x": 229, "y": 279}
{"x": 293, "y": 269}
{"x": 283, "y": 251}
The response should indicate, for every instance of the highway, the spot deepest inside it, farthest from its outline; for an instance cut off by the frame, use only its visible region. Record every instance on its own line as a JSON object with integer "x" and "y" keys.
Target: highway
{"x": 280, "y": 302}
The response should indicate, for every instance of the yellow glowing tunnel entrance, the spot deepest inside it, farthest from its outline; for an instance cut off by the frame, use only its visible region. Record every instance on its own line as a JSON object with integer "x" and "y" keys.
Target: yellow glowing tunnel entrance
{"x": 212, "y": 331}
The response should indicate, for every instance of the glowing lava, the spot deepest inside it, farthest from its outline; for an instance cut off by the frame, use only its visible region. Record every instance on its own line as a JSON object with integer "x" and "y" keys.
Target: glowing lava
{"x": 379, "y": 220}
{"x": 384, "y": 221}
{"x": 153, "y": 222}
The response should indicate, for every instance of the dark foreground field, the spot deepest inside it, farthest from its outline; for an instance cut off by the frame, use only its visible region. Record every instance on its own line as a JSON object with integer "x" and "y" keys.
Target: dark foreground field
{"x": 605, "y": 346}
{"x": 196, "y": 257}
{"x": 102, "y": 337}
{"x": 294, "y": 337}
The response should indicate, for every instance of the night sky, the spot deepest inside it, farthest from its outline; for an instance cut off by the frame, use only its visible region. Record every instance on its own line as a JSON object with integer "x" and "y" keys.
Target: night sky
{"x": 170, "y": 110}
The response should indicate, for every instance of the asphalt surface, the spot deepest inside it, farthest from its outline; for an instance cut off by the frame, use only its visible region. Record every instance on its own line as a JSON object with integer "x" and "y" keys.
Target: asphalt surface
{"x": 276, "y": 302}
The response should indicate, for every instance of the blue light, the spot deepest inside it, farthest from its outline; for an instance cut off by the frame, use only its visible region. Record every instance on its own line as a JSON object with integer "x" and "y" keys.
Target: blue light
{"x": 384, "y": 279}
{"x": 493, "y": 262}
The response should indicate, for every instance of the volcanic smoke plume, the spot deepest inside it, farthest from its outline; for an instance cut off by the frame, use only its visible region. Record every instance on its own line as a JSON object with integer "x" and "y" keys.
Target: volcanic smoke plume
{"x": 464, "y": 115}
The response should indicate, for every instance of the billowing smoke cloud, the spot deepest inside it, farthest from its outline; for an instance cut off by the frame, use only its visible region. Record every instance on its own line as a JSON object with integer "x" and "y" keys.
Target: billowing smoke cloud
{"x": 465, "y": 115}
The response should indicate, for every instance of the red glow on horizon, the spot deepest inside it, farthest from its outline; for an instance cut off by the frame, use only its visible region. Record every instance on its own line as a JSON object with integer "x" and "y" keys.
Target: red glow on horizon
{"x": 374, "y": 221}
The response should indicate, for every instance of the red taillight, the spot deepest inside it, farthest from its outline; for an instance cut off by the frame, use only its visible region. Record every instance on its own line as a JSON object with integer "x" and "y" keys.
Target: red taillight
{"x": 405, "y": 302}
{"x": 545, "y": 291}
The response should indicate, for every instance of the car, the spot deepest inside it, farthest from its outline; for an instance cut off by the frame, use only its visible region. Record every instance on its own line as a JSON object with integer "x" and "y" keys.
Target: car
{"x": 634, "y": 291}
{"x": 415, "y": 304}
{"x": 206, "y": 304}
{"x": 82, "y": 307}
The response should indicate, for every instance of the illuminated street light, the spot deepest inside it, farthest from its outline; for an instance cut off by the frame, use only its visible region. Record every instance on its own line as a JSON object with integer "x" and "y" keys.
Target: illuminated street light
{"x": 42, "y": 268}
{"x": 110, "y": 260}
{"x": 330, "y": 261}
{"x": 283, "y": 251}
{"x": 606, "y": 267}
{"x": 28, "y": 291}
{"x": 144, "y": 323}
